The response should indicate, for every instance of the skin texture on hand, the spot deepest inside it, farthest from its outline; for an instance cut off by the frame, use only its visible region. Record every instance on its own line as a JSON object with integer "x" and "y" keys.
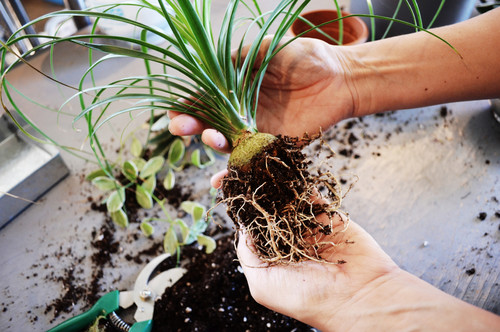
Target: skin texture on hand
{"x": 306, "y": 87}
{"x": 418, "y": 69}
{"x": 366, "y": 292}
{"x": 315, "y": 292}
{"x": 297, "y": 92}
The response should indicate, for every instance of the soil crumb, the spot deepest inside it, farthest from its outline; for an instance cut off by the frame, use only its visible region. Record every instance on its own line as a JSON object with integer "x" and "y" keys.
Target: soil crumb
{"x": 471, "y": 271}
{"x": 482, "y": 216}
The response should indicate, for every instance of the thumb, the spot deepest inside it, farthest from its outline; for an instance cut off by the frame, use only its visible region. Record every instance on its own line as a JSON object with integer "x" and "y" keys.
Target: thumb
{"x": 246, "y": 253}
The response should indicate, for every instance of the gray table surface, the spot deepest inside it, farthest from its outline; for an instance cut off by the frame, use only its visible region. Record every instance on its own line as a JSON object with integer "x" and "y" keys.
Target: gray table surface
{"x": 422, "y": 181}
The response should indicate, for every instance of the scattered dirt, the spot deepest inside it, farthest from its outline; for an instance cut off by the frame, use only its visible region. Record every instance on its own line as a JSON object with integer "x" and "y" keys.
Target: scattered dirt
{"x": 444, "y": 111}
{"x": 214, "y": 296}
{"x": 482, "y": 216}
{"x": 174, "y": 196}
{"x": 75, "y": 288}
{"x": 470, "y": 272}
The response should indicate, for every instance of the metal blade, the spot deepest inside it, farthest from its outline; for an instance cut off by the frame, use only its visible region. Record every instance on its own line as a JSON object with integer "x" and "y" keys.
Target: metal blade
{"x": 126, "y": 299}
{"x": 145, "y": 299}
{"x": 165, "y": 279}
{"x": 147, "y": 291}
{"x": 143, "y": 278}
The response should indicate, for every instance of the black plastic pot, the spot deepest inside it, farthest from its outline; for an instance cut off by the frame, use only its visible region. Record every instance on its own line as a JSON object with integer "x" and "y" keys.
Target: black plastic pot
{"x": 453, "y": 11}
{"x": 495, "y": 109}
{"x": 355, "y": 30}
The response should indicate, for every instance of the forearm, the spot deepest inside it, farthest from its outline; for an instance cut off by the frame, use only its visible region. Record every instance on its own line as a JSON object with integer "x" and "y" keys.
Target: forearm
{"x": 405, "y": 303}
{"x": 418, "y": 70}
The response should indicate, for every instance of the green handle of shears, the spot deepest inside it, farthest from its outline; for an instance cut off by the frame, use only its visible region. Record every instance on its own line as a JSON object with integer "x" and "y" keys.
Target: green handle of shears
{"x": 144, "y": 326}
{"x": 105, "y": 305}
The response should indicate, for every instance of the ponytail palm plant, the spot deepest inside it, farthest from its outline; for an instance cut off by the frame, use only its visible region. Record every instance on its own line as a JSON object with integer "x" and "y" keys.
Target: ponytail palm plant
{"x": 201, "y": 75}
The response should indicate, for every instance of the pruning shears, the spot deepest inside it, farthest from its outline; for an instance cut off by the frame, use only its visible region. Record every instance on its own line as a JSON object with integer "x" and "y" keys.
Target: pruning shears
{"x": 144, "y": 294}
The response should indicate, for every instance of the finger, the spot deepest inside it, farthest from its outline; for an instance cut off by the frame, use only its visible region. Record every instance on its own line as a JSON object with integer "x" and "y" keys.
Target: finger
{"x": 216, "y": 140}
{"x": 182, "y": 101}
{"x": 172, "y": 114}
{"x": 183, "y": 125}
{"x": 216, "y": 180}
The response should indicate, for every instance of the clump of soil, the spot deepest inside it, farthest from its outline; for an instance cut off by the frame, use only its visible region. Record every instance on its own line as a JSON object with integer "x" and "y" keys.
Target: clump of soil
{"x": 214, "y": 296}
{"x": 271, "y": 199}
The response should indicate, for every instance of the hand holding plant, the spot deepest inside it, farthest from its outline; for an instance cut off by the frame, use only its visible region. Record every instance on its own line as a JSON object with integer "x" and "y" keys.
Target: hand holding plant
{"x": 306, "y": 87}
{"x": 270, "y": 183}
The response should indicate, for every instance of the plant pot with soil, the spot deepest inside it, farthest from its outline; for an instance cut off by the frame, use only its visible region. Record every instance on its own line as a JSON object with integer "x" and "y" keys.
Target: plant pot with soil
{"x": 355, "y": 30}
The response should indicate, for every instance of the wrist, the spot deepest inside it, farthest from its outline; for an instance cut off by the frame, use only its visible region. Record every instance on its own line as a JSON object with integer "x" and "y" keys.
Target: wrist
{"x": 421, "y": 69}
{"x": 400, "y": 301}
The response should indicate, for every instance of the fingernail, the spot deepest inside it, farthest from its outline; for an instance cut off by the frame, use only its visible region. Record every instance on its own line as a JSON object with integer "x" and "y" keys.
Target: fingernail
{"x": 220, "y": 141}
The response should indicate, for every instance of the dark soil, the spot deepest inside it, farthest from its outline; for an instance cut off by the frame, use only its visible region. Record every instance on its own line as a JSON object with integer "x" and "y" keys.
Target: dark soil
{"x": 214, "y": 296}
{"x": 278, "y": 181}
{"x": 75, "y": 288}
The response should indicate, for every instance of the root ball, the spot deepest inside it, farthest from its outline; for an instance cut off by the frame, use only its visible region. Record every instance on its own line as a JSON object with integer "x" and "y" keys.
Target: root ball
{"x": 274, "y": 199}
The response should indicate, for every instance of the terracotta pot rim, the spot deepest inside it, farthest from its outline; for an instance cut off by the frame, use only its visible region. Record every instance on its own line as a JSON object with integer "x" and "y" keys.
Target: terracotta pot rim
{"x": 359, "y": 26}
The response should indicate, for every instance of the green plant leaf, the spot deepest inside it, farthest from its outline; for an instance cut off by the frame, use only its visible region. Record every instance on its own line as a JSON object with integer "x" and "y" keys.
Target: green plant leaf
{"x": 120, "y": 218}
{"x": 143, "y": 197}
{"x": 136, "y": 147}
{"x": 150, "y": 184}
{"x": 152, "y": 166}
{"x": 169, "y": 181}
{"x": 213, "y": 192}
{"x": 105, "y": 183}
{"x": 196, "y": 158}
{"x": 196, "y": 210}
{"x": 95, "y": 174}
{"x": 147, "y": 229}
{"x": 183, "y": 228}
{"x": 176, "y": 152}
{"x": 161, "y": 123}
{"x": 116, "y": 200}
{"x": 207, "y": 242}
{"x": 139, "y": 162}
{"x": 170, "y": 243}
{"x": 196, "y": 229}
{"x": 130, "y": 170}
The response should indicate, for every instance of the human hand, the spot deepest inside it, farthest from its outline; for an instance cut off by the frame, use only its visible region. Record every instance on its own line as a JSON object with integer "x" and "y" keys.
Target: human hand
{"x": 357, "y": 288}
{"x": 321, "y": 294}
{"x": 306, "y": 87}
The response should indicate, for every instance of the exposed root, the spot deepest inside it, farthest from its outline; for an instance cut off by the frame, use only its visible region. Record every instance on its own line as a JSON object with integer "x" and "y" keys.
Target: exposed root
{"x": 279, "y": 199}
